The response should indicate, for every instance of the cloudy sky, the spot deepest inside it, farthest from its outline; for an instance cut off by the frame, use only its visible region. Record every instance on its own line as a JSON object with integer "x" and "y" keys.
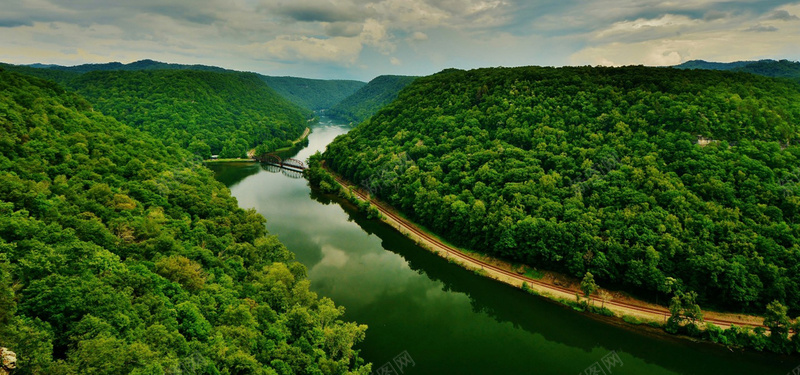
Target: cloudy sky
{"x": 360, "y": 39}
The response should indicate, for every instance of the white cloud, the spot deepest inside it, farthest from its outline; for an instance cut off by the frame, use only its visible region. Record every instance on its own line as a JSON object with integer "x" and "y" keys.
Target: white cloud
{"x": 671, "y": 39}
{"x": 418, "y": 36}
{"x": 337, "y": 50}
{"x": 374, "y": 34}
{"x": 354, "y": 38}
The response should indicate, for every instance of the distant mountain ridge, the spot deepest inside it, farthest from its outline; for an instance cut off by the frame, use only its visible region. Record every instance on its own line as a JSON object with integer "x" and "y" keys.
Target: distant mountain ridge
{"x": 370, "y": 99}
{"x": 311, "y": 94}
{"x": 769, "y": 68}
{"x": 208, "y": 111}
{"x": 146, "y": 64}
{"x": 711, "y": 65}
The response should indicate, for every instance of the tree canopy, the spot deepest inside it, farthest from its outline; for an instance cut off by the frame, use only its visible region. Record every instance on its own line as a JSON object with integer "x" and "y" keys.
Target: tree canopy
{"x": 769, "y": 68}
{"x": 369, "y": 99}
{"x": 313, "y": 94}
{"x": 120, "y": 255}
{"x": 207, "y": 111}
{"x": 229, "y": 112}
{"x": 642, "y": 176}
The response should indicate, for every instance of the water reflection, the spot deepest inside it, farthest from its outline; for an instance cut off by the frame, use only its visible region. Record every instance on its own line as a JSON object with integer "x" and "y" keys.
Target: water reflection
{"x": 558, "y": 324}
{"x": 448, "y": 319}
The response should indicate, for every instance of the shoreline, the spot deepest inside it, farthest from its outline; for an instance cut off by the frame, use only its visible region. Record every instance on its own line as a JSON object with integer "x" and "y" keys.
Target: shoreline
{"x": 230, "y": 160}
{"x": 551, "y": 285}
{"x": 295, "y": 142}
{"x": 251, "y": 153}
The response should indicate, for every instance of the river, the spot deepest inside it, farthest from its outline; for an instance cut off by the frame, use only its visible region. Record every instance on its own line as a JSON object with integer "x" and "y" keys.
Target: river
{"x": 428, "y": 316}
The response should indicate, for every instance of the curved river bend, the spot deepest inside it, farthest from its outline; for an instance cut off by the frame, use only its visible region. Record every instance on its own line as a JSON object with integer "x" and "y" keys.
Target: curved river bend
{"x": 427, "y": 316}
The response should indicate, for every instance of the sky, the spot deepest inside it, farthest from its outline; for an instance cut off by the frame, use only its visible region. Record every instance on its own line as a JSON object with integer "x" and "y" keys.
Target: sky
{"x": 361, "y": 39}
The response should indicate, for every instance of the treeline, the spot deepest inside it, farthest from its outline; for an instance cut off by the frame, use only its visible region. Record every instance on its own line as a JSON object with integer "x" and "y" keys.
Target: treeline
{"x": 208, "y": 112}
{"x": 310, "y": 94}
{"x": 369, "y": 99}
{"x": 313, "y": 94}
{"x": 599, "y": 170}
{"x": 769, "y": 68}
{"x": 136, "y": 65}
{"x": 772, "y": 68}
{"x": 119, "y": 255}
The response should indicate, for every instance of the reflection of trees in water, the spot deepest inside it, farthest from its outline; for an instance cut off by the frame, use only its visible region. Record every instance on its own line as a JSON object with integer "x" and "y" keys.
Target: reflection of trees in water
{"x": 555, "y": 322}
{"x": 316, "y": 195}
{"x": 232, "y": 173}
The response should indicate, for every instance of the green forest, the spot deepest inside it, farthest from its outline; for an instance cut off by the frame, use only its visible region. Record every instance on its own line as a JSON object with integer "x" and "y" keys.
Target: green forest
{"x": 136, "y": 65}
{"x": 204, "y": 109}
{"x": 118, "y": 254}
{"x": 206, "y": 112}
{"x": 769, "y": 68}
{"x": 369, "y": 99}
{"x": 658, "y": 181}
{"x": 313, "y": 94}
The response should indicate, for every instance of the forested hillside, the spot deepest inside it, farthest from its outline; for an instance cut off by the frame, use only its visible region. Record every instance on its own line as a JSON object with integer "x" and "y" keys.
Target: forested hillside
{"x": 118, "y": 255}
{"x": 769, "y": 68}
{"x": 207, "y": 112}
{"x": 772, "y": 68}
{"x": 313, "y": 94}
{"x": 711, "y": 65}
{"x": 599, "y": 169}
{"x": 370, "y": 98}
{"x": 224, "y": 113}
{"x": 136, "y": 65}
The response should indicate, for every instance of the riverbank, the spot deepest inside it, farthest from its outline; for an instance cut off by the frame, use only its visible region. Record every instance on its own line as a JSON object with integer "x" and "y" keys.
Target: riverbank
{"x": 251, "y": 154}
{"x": 551, "y": 285}
{"x": 229, "y": 160}
{"x": 296, "y": 141}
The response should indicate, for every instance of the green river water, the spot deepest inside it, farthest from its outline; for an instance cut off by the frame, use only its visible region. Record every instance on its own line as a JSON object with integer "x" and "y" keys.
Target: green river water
{"x": 428, "y": 316}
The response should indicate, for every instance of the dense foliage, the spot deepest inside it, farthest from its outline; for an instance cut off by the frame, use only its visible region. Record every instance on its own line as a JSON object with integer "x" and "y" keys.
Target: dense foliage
{"x": 772, "y": 68}
{"x": 206, "y": 109}
{"x": 118, "y": 255}
{"x": 711, "y": 65}
{"x": 369, "y": 99}
{"x": 313, "y": 94}
{"x": 207, "y": 112}
{"x": 769, "y": 68}
{"x": 600, "y": 170}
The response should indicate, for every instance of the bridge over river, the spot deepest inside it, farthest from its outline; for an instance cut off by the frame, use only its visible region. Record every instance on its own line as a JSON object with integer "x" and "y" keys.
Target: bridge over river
{"x": 291, "y": 167}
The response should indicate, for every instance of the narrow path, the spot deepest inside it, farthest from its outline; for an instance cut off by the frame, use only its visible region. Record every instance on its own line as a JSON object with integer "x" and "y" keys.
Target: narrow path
{"x": 639, "y": 309}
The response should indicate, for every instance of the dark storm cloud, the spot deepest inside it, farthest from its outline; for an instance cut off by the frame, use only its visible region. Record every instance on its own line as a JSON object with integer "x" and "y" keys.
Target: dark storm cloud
{"x": 561, "y": 17}
{"x": 782, "y": 15}
{"x": 345, "y": 29}
{"x": 15, "y": 22}
{"x": 85, "y": 12}
{"x": 713, "y": 15}
{"x": 319, "y": 11}
{"x": 761, "y": 29}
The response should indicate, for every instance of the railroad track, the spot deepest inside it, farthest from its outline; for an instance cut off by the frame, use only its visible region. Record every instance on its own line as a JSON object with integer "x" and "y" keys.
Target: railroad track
{"x": 457, "y": 254}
